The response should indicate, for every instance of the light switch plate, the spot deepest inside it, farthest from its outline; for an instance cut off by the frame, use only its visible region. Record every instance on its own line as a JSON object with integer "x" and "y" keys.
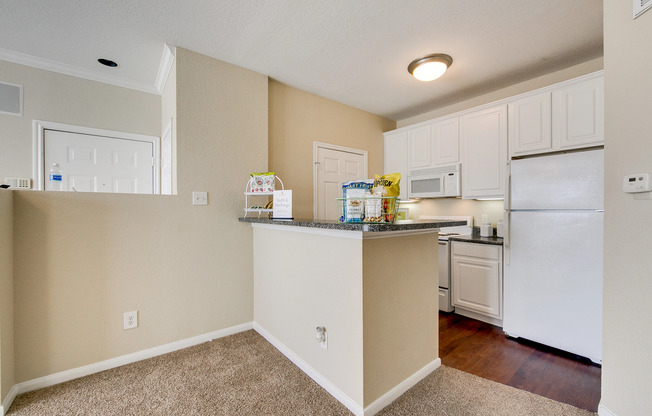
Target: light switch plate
{"x": 200, "y": 198}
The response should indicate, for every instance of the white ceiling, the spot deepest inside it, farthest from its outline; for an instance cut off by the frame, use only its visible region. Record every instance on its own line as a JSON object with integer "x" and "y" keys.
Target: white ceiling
{"x": 355, "y": 52}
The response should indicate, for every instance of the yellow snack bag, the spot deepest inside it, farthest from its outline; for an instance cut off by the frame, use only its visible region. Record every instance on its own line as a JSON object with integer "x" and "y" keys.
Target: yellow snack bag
{"x": 388, "y": 185}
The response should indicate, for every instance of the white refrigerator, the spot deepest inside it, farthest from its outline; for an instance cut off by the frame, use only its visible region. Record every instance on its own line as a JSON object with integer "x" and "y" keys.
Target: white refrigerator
{"x": 554, "y": 211}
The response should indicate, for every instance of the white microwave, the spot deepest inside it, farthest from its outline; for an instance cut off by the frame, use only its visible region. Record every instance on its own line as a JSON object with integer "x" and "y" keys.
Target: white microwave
{"x": 437, "y": 182}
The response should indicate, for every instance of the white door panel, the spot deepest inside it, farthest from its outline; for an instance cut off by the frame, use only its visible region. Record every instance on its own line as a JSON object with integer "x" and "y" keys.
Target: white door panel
{"x": 93, "y": 163}
{"x": 562, "y": 181}
{"x": 553, "y": 284}
{"x": 83, "y": 183}
{"x": 335, "y": 167}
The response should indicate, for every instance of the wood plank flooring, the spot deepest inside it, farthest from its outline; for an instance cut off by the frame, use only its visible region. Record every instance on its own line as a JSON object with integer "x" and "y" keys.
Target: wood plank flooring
{"x": 484, "y": 350}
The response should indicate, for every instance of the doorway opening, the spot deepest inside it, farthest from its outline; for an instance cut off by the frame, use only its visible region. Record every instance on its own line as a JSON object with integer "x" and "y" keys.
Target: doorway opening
{"x": 96, "y": 160}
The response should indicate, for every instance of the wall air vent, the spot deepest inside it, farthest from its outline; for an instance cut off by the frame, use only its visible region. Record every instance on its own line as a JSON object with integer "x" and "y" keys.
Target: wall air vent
{"x": 641, "y": 6}
{"x": 22, "y": 183}
{"x": 11, "y": 99}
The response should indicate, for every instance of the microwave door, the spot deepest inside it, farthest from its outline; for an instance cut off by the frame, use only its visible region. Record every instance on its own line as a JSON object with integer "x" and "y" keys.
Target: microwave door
{"x": 426, "y": 186}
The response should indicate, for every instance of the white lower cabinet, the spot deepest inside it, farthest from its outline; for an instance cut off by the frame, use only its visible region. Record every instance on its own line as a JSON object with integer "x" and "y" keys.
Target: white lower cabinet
{"x": 477, "y": 280}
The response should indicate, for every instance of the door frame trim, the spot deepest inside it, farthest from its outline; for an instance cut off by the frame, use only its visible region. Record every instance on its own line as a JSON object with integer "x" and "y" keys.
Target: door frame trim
{"x": 315, "y": 150}
{"x": 38, "y": 147}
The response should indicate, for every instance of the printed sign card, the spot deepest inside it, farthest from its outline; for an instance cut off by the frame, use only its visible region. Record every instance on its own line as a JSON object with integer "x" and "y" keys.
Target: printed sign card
{"x": 282, "y": 205}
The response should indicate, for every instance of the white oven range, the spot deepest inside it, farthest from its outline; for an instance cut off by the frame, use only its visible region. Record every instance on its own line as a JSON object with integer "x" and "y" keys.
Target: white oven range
{"x": 444, "y": 255}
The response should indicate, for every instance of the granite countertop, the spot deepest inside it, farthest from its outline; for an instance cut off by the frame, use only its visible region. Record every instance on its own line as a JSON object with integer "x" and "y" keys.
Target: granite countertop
{"x": 405, "y": 225}
{"x": 475, "y": 238}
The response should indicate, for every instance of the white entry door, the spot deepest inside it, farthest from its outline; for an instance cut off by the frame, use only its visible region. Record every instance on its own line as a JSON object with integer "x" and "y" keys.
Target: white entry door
{"x": 91, "y": 163}
{"x": 334, "y": 166}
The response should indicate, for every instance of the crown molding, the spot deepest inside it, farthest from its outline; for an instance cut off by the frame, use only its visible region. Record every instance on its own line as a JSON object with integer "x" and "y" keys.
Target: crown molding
{"x": 48, "y": 65}
{"x": 167, "y": 60}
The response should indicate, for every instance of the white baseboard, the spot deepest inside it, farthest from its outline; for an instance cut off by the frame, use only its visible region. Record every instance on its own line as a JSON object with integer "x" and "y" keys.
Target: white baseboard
{"x": 603, "y": 411}
{"x": 6, "y": 403}
{"x": 353, "y": 406}
{"x": 387, "y": 398}
{"x": 74, "y": 373}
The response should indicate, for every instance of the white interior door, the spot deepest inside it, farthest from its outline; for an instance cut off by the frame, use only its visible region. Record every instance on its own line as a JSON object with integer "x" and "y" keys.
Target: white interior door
{"x": 334, "y": 166}
{"x": 92, "y": 163}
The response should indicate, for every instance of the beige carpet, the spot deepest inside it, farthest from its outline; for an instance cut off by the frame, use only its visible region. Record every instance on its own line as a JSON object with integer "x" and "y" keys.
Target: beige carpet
{"x": 245, "y": 375}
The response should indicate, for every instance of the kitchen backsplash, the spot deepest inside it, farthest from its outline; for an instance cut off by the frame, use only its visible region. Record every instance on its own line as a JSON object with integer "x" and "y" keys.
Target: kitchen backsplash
{"x": 458, "y": 207}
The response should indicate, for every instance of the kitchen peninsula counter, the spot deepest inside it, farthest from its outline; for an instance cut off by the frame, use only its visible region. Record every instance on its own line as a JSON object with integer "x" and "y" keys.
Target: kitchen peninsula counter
{"x": 405, "y": 225}
{"x": 373, "y": 287}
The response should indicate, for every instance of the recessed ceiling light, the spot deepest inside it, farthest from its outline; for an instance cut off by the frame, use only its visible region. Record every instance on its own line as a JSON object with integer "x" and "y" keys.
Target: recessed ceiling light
{"x": 430, "y": 67}
{"x": 107, "y": 62}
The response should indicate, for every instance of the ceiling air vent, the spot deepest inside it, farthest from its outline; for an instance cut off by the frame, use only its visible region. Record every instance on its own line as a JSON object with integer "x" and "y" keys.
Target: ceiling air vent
{"x": 640, "y": 6}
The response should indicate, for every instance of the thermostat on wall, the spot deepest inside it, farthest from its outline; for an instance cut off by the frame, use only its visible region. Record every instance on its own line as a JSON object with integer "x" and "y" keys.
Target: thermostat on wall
{"x": 638, "y": 182}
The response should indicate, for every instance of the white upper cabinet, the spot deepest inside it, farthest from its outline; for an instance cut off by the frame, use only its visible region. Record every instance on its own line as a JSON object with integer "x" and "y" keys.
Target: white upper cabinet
{"x": 484, "y": 152}
{"x": 530, "y": 124}
{"x": 434, "y": 144}
{"x": 578, "y": 114}
{"x": 445, "y": 141}
{"x": 396, "y": 158}
{"x": 419, "y": 147}
{"x": 566, "y": 116}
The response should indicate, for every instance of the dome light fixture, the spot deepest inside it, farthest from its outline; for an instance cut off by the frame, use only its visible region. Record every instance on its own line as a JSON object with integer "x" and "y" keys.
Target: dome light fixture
{"x": 430, "y": 67}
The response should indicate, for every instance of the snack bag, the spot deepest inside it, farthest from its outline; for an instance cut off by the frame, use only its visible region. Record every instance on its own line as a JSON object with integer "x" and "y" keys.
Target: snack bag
{"x": 263, "y": 182}
{"x": 353, "y": 206}
{"x": 388, "y": 185}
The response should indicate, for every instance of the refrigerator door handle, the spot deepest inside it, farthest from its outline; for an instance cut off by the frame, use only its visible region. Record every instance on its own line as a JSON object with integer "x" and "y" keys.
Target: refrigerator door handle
{"x": 507, "y": 202}
{"x": 506, "y": 247}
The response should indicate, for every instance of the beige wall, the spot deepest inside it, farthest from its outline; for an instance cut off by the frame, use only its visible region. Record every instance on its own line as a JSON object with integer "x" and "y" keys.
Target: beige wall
{"x": 627, "y": 365}
{"x": 6, "y": 293}
{"x": 49, "y": 96}
{"x": 401, "y": 325}
{"x": 522, "y": 87}
{"x": 297, "y": 119}
{"x": 82, "y": 260}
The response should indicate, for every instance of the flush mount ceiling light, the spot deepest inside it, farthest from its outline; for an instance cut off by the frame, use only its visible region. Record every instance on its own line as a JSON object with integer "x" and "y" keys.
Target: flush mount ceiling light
{"x": 430, "y": 67}
{"x": 107, "y": 62}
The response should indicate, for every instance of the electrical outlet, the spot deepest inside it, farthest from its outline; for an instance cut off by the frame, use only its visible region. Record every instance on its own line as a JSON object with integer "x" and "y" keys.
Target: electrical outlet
{"x": 131, "y": 320}
{"x": 322, "y": 337}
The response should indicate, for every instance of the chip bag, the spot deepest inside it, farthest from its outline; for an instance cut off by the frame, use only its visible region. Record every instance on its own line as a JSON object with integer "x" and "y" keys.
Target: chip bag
{"x": 388, "y": 185}
{"x": 353, "y": 205}
{"x": 263, "y": 182}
